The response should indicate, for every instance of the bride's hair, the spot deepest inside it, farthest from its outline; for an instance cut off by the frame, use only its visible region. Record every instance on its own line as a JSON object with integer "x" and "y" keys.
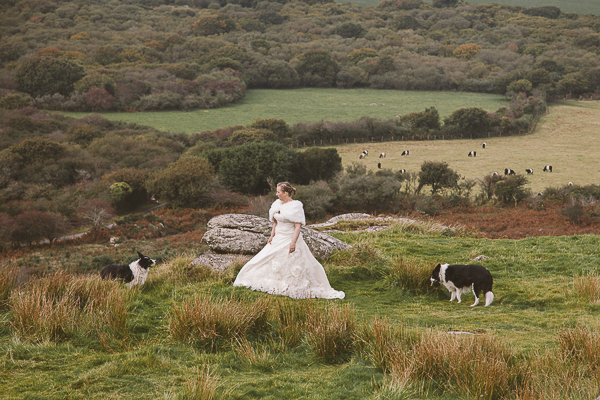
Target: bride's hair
{"x": 286, "y": 187}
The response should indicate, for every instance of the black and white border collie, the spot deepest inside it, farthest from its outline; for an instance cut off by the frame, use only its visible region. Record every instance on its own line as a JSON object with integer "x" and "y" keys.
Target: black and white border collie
{"x": 460, "y": 279}
{"x": 132, "y": 274}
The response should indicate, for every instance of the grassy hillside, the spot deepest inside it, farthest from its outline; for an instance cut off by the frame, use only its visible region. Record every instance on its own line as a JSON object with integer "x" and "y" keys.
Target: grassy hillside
{"x": 565, "y": 138}
{"x": 309, "y": 105}
{"x": 578, "y": 6}
{"x": 392, "y": 309}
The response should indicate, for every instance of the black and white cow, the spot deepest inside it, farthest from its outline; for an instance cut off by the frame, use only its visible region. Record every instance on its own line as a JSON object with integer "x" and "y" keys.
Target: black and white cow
{"x": 402, "y": 171}
{"x": 404, "y": 153}
{"x": 379, "y": 165}
{"x": 483, "y": 145}
{"x": 529, "y": 171}
{"x": 381, "y": 155}
{"x": 472, "y": 154}
{"x": 508, "y": 171}
{"x": 548, "y": 168}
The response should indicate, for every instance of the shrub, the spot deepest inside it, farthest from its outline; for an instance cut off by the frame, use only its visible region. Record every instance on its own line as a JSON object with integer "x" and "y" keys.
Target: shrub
{"x": 33, "y": 226}
{"x": 278, "y": 126}
{"x": 511, "y": 189}
{"x": 83, "y": 134}
{"x": 95, "y": 81}
{"x": 15, "y": 101}
{"x": 359, "y": 55}
{"x": 182, "y": 183}
{"x": 367, "y": 193}
{"x": 106, "y": 55}
{"x": 98, "y": 99}
{"x": 96, "y": 212}
{"x": 426, "y": 120}
{"x": 350, "y": 30}
{"x": 213, "y": 25}
{"x": 473, "y": 121}
{"x": 47, "y": 75}
{"x": 317, "y": 198}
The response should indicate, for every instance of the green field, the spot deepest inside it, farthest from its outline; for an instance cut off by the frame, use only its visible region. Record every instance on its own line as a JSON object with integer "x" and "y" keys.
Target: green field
{"x": 579, "y": 6}
{"x": 566, "y": 138}
{"x": 309, "y": 105}
{"x": 535, "y": 299}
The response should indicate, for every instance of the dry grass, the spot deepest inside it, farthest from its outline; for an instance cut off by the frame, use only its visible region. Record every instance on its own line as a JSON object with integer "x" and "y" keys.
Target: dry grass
{"x": 331, "y": 332}
{"x": 8, "y": 280}
{"x": 253, "y": 357}
{"x": 208, "y": 321}
{"x": 587, "y": 287}
{"x": 202, "y": 386}
{"x": 289, "y": 320}
{"x": 411, "y": 274}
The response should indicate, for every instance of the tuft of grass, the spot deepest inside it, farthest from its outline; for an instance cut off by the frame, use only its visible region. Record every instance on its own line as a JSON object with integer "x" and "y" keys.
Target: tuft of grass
{"x": 253, "y": 357}
{"x": 331, "y": 332}
{"x": 587, "y": 287}
{"x": 410, "y": 274}
{"x": 203, "y": 385}
{"x": 582, "y": 346}
{"x": 8, "y": 281}
{"x": 207, "y": 321}
{"x": 290, "y": 319}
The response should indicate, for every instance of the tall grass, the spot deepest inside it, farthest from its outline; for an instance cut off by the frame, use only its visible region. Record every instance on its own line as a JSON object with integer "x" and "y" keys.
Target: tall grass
{"x": 410, "y": 274}
{"x": 203, "y": 385}
{"x": 208, "y": 321}
{"x": 8, "y": 280}
{"x": 61, "y": 306}
{"x": 331, "y": 332}
{"x": 290, "y": 319}
{"x": 587, "y": 287}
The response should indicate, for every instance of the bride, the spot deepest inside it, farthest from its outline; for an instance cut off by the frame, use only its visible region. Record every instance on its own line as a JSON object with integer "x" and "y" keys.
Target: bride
{"x": 285, "y": 265}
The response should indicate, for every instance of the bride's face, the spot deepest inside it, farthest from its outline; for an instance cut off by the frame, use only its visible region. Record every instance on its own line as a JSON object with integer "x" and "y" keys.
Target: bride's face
{"x": 283, "y": 196}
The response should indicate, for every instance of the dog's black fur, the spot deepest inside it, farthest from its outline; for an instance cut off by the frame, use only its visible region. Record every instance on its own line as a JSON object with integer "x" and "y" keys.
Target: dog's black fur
{"x": 459, "y": 279}
{"x": 128, "y": 273}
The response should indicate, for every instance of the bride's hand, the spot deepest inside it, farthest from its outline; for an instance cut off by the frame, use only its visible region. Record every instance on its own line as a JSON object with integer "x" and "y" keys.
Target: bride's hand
{"x": 292, "y": 247}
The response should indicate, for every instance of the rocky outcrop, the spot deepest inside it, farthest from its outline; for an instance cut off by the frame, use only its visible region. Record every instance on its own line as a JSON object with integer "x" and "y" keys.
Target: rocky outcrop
{"x": 248, "y": 234}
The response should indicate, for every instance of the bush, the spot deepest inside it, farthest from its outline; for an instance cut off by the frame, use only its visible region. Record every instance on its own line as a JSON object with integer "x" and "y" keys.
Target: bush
{"x": 511, "y": 189}
{"x": 317, "y": 198}
{"x": 317, "y": 63}
{"x": 350, "y": 30}
{"x": 15, "y": 101}
{"x": 47, "y": 75}
{"x": 213, "y": 25}
{"x": 473, "y": 121}
{"x": 183, "y": 183}
{"x": 33, "y": 226}
{"x": 98, "y": 99}
{"x": 366, "y": 192}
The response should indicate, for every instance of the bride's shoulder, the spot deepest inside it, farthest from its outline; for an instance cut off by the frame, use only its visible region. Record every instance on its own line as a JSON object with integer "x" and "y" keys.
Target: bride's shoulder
{"x": 276, "y": 203}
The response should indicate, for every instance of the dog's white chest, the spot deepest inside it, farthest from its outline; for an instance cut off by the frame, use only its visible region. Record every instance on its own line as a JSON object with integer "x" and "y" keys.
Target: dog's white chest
{"x": 139, "y": 275}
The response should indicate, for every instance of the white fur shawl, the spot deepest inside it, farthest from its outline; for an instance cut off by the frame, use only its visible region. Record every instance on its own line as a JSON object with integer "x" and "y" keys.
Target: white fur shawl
{"x": 292, "y": 211}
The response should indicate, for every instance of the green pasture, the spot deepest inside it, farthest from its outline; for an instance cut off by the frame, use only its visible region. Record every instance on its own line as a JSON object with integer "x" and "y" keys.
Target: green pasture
{"x": 534, "y": 301}
{"x": 578, "y": 6}
{"x": 309, "y": 105}
{"x": 566, "y": 138}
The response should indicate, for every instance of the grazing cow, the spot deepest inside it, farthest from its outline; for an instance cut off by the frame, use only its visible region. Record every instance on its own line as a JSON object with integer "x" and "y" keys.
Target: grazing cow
{"x": 379, "y": 165}
{"x": 570, "y": 183}
{"x": 381, "y": 155}
{"x": 402, "y": 171}
{"x": 540, "y": 194}
{"x": 472, "y": 154}
{"x": 508, "y": 171}
{"x": 366, "y": 152}
{"x": 362, "y": 155}
{"x": 529, "y": 171}
{"x": 548, "y": 168}
{"x": 483, "y": 145}
{"x": 495, "y": 174}
{"x": 404, "y": 153}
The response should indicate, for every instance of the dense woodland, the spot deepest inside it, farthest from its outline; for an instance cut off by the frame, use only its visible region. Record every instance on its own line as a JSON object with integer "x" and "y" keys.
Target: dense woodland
{"x": 147, "y": 55}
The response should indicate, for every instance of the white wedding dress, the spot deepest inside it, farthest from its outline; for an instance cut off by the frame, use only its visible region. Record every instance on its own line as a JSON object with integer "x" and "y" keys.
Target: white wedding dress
{"x": 277, "y": 271}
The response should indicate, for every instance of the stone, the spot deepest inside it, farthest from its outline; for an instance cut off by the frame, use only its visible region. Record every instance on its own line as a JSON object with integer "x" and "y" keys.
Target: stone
{"x": 248, "y": 234}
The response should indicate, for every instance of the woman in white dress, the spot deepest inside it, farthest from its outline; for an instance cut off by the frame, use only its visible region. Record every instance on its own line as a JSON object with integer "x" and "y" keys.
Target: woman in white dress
{"x": 285, "y": 265}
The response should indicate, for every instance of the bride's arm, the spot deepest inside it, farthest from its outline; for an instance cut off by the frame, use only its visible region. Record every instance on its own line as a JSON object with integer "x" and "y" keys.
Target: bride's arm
{"x": 297, "y": 227}
{"x": 272, "y": 232}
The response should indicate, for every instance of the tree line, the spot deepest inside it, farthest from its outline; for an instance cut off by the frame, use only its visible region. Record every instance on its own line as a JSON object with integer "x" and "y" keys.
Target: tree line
{"x": 163, "y": 54}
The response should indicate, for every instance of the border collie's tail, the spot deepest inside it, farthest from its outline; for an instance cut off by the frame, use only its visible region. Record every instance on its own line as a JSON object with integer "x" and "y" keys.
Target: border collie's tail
{"x": 489, "y": 297}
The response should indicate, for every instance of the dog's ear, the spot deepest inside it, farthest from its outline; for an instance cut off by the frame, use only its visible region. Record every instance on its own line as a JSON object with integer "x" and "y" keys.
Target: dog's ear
{"x": 140, "y": 254}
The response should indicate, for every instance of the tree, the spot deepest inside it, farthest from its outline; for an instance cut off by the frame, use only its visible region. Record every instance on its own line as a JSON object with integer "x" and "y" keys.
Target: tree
{"x": 33, "y": 226}
{"x": 96, "y": 212}
{"x": 510, "y": 189}
{"x": 40, "y": 76}
{"x": 248, "y": 168}
{"x": 402, "y": 22}
{"x": 473, "y": 121}
{"x": 429, "y": 119}
{"x": 466, "y": 51}
{"x": 317, "y": 164}
{"x": 98, "y": 99}
{"x": 183, "y": 183}
{"x": 438, "y": 175}
{"x": 120, "y": 193}
{"x": 319, "y": 63}
{"x": 520, "y": 86}
{"x": 213, "y": 25}
{"x": 106, "y": 55}
{"x": 444, "y": 3}
{"x": 135, "y": 179}
{"x": 278, "y": 126}
{"x": 350, "y": 30}
{"x": 357, "y": 56}
{"x": 95, "y": 81}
